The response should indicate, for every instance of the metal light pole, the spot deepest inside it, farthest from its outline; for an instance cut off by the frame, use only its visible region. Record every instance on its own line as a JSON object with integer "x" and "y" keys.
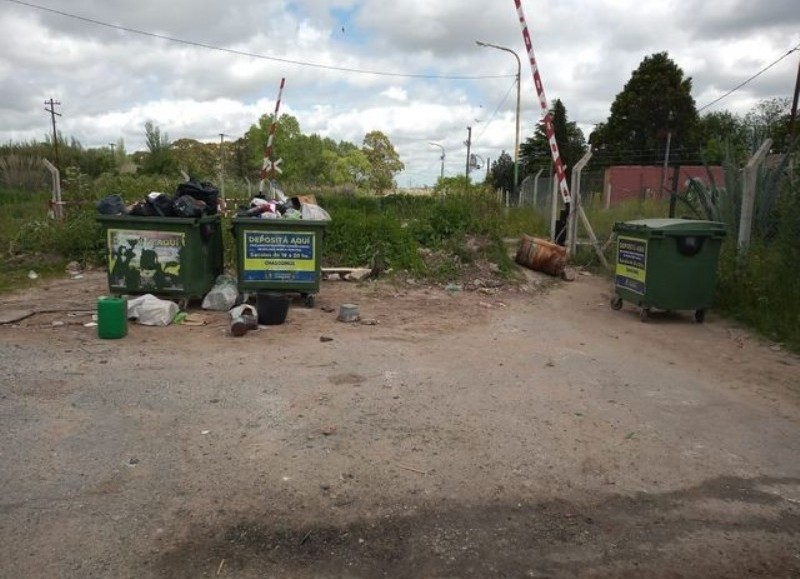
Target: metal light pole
{"x": 516, "y": 133}
{"x": 441, "y": 175}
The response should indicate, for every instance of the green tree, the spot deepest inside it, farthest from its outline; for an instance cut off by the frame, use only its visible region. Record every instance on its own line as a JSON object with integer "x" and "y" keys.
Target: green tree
{"x": 383, "y": 159}
{"x": 501, "y": 174}
{"x": 655, "y": 102}
{"x": 721, "y": 134}
{"x": 769, "y": 119}
{"x": 158, "y": 159}
{"x": 535, "y": 151}
{"x": 198, "y": 159}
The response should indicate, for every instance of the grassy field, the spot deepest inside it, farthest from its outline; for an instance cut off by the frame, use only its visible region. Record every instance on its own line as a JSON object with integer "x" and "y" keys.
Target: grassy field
{"x": 761, "y": 289}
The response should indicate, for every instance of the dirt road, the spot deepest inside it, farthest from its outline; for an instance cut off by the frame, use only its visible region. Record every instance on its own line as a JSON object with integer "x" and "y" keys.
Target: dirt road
{"x": 523, "y": 433}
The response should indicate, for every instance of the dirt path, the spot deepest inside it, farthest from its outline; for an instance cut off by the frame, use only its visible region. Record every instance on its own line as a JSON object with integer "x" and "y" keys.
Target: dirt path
{"x": 516, "y": 434}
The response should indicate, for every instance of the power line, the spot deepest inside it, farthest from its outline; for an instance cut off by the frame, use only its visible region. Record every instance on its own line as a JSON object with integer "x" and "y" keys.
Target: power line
{"x": 494, "y": 114}
{"x": 755, "y": 76}
{"x": 253, "y": 54}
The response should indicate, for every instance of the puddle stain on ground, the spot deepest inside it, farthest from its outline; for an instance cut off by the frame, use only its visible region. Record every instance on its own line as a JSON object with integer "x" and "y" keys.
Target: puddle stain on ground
{"x": 641, "y": 534}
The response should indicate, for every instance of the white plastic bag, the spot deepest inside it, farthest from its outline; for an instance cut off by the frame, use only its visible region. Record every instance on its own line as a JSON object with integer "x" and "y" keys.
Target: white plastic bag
{"x": 149, "y": 310}
{"x": 222, "y": 296}
{"x": 314, "y": 212}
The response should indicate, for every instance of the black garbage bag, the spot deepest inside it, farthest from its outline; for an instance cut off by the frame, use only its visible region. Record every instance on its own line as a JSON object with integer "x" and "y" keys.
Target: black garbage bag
{"x": 163, "y": 205}
{"x": 110, "y": 205}
{"x": 201, "y": 190}
{"x": 188, "y": 206}
{"x": 142, "y": 209}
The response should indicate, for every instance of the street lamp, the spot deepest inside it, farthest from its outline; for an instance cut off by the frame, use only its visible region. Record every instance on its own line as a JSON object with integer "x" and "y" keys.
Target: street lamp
{"x": 516, "y": 134}
{"x": 442, "y": 157}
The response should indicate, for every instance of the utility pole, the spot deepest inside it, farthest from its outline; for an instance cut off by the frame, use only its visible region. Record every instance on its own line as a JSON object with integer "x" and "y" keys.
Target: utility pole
{"x": 793, "y": 116}
{"x": 469, "y": 144}
{"x": 53, "y": 114}
{"x": 221, "y": 166}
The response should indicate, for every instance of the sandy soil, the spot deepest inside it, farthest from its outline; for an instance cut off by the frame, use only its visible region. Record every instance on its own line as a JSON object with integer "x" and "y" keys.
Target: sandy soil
{"x": 518, "y": 432}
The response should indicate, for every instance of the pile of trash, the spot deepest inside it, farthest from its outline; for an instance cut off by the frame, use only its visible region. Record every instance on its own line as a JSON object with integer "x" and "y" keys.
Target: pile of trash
{"x": 278, "y": 206}
{"x": 192, "y": 198}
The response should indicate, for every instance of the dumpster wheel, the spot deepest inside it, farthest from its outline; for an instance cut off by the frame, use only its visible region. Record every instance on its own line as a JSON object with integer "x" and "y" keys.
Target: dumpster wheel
{"x": 644, "y": 315}
{"x": 308, "y": 300}
{"x": 699, "y": 316}
{"x": 616, "y": 303}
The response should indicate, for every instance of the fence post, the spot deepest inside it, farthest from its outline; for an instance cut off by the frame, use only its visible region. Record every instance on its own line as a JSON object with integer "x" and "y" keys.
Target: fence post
{"x": 58, "y": 205}
{"x": 749, "y": 194}
{"x": 572, "y": 218}
{"x": 536, "y": 187}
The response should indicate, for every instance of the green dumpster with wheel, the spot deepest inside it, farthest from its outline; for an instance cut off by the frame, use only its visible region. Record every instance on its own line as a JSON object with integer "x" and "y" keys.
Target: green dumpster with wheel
{"x": 279, "y": 255}
{"x": 174, "y": 257}
{"x": 667, "y": 264}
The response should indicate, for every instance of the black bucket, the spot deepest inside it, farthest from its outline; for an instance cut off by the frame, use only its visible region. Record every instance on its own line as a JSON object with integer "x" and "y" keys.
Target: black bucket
{"x": 272, "y": 307}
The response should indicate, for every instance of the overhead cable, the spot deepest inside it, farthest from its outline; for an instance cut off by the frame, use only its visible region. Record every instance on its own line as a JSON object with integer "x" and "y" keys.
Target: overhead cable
{"x": 252, "y": 54}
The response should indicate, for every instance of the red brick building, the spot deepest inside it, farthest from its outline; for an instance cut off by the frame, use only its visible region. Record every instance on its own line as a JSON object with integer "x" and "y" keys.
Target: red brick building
{"x": 626, "y": 182}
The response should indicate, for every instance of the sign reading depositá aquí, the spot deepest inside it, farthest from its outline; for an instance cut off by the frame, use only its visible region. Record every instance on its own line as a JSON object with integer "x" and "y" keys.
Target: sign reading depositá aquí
{"x": 631, "y": 271}
{"x": 279, "y": 256}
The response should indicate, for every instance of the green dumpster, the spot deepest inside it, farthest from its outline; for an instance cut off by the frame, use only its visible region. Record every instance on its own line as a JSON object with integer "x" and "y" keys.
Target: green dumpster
{"x": 170, "y": 256}
{"x": 279, "y": 255}
{"x": 667, "y": 264}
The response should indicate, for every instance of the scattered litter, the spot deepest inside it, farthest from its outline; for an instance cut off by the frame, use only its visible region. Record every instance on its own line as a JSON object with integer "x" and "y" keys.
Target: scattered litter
{"x": 328, "y": 309}
{"x": 204, "y": 432}
{"x": 222, "y": 296}
{"x": 453, "y": 287}
{"x": 325, "y": 339}
{"x": 219, "y": 569}
{"x": 550, "y": 363}
{"x": 243, "y": 319}
{"x": 33, "y": 275}
{"x": 630, "y": 436}
{"x": 346, "y": 273}
{"x": 133, "y": 461}
{"x": 776, "y": 347}
{"x": 149, "y": 310}
{"x": 568, "y": 274}
{"x": 412, "y": 469}
{"x": 348, "y": 313}
{"x": 57, "y": 323}
{"x": 329, "y": 430}
{"x": 369, "y": 322}
{"x": 90, "y": 325}
{"x": 194, "y": 320}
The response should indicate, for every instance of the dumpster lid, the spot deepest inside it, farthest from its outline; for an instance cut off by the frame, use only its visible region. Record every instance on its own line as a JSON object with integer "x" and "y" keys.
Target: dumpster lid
{"x": 667, "y": 226}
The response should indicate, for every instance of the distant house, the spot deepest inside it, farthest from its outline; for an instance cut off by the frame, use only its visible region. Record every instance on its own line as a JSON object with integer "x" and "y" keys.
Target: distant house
{"x": 627, "y": 182}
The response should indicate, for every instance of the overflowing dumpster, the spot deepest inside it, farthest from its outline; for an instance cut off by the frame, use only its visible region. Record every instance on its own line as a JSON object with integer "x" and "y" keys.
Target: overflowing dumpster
{"x": 171, "y": 256}
{"x": 279, "y": 255}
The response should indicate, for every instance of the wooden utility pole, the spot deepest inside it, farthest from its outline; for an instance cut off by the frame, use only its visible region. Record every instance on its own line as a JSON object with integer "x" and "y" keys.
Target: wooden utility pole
{"x": 222, "y": 170}
{"x": 53, "y": 114}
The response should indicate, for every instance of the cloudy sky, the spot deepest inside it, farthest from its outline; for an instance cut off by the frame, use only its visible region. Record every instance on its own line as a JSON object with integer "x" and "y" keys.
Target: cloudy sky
{"x": 409, "y": 68}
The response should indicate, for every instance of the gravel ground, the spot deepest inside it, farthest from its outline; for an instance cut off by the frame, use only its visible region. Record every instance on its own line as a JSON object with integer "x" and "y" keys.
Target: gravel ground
{"x": 510, "y": 432}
